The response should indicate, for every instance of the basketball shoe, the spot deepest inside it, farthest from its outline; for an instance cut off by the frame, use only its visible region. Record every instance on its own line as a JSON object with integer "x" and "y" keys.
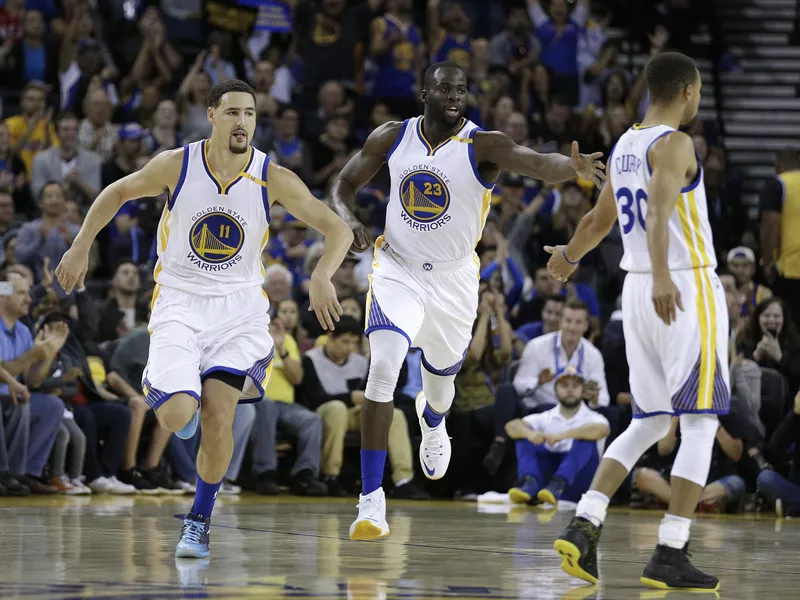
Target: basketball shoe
{"x": 577, "y": 547}
{"x": 195, "y": 537}
{"x": 371, "y": 521}
{"x": 670, "y": 569}
{"x": 434, "y": 450}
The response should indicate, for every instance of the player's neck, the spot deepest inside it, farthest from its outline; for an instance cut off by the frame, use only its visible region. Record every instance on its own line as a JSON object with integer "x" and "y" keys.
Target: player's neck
{"x": 662, "y": 115}
{"x": 223, "y": 163}
{"x": 437, "y": 132}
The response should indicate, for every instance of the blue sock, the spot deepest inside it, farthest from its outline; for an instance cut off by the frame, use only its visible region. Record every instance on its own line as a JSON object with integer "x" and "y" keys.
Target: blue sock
{"x": 204, "y": 498}
{"x": 432, "y": 418}
{"x": 372, "y": 462}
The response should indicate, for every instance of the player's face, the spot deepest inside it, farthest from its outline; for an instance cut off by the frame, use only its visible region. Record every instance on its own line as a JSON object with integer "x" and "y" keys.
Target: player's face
{"x": 693, "y": 101}
{"x": 569, "y": 391}
{"x": 742, "y": 269}
{"x": 446, "y": 98}
{"x": 235, "y": 118}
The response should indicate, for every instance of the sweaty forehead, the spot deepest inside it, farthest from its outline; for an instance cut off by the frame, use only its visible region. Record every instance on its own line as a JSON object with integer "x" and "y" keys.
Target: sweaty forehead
{"x": 448, "y": 76}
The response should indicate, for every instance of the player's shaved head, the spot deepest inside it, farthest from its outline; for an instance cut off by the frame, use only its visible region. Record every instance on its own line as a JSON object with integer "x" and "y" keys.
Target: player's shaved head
{"x": 668, "y": 74}
{"x": 447, "y": 67}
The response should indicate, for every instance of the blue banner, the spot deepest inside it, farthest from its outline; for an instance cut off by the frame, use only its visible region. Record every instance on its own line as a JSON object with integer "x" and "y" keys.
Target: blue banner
{"x": 273, "y": 15}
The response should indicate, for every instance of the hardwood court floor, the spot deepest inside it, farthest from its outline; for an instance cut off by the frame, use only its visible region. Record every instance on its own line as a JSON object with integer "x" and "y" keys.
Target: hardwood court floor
{"x": 117, "y": 547}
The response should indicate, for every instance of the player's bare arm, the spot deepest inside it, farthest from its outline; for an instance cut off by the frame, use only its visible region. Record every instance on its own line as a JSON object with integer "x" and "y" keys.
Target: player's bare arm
{"x": 159, "y": 175}
{"x": 495, "y": 151}
{"x": 288, "y": 189}
{"x": 357, "y": 173}
{"x": 592, "y": 229}
{"x": 674, "y": 163}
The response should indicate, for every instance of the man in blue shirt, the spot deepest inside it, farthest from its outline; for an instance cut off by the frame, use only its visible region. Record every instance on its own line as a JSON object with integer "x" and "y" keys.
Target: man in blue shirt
{"x": 28, "y": 429}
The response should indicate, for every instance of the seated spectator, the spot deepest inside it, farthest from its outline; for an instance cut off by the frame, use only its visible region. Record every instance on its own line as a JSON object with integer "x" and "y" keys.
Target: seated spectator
{"x": 13, "y": 176}
{"x": 496, "y": 261}
{"x": 334, "y": 377}
{"x": 289, "y": 247}
{"x": 771, "y": 339}
{"x": 30, "y": 420}
{"x": 558, "y": 451}
{"x": 551, "y": 320}
{"x": 279, "y": 410}
{"x": 32, "y": 131}
{"x": 118, "y": 312}
{"x": 163, "y": 135}
{"x": 532, "y": 304}
{"x": 49, "y": 236}
{"x": 330, "y": 151}
{"x": 68, "y": 164}
{"x": 785, "y": 440}
{"x": 352, "y": 307}
{"x": 8, "y": 220}
{"x": 286, "y": 147}
{"x": 277, "y": 284}
{"x": 289, "y": 314}
{"x": 96, "y": 133}
{"x": 742, "y": 265}
{"x": 129, "y": 147}
{"x": 726, "y": 487}
{"x": 331, "y": 103}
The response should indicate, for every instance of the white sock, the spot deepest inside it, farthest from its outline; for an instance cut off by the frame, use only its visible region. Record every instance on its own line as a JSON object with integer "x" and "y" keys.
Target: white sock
{"x": 674, "y": 531}
{"x": 593, "y": 507}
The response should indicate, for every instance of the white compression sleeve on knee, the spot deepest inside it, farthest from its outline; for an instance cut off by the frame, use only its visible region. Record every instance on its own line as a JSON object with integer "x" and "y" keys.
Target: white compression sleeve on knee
{"x": 637, "y": 438}
{"x": 439, "y": 390}
{"x": 388, "y": 350}
{"x": 693, "y": 460}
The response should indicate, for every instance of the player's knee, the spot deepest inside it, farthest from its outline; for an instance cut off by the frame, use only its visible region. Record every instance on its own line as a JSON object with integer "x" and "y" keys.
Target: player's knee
{"x": 657, "y": 426}
{"x": 701, "y": 427}
{"x": 383, "y": 375}
{"x": 175, "y": 413}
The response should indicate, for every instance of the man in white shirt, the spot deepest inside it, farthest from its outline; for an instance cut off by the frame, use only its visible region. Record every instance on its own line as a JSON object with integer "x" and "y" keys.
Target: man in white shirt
{"x": 558, "y": 450}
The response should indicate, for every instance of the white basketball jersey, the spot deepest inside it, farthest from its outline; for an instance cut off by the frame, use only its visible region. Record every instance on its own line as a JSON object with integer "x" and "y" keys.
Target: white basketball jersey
{"x": 690, "y": 241}
{"x": 211, "y": 235}
{"x": 438, "y": 202}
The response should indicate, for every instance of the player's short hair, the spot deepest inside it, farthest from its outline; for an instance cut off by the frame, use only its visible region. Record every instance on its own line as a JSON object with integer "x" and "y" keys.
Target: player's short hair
{"x": 346, "y": 325}
{"x": 431, "y": 70}
{"x": 576, "y": 304}
{"x": 668, "y": 74}
{"x": 217, "y": 91}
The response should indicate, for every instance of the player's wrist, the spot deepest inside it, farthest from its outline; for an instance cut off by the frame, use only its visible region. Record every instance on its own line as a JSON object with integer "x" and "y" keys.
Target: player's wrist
{"x": 566, "y": 258}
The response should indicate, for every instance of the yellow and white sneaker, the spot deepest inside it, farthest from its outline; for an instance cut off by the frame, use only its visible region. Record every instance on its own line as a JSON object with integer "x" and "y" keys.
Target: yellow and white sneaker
{"x": 371, "y": 522}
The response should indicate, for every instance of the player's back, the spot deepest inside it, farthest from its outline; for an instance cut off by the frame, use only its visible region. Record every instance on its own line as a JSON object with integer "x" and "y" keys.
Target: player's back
{"x": 211, "y": 233}
{"x": 690, "y": 239}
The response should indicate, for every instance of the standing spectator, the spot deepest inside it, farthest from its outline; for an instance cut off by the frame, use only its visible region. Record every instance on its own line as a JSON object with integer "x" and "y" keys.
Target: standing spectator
{"x": 558, "y": 451}
{"x": 329, "y": 152}
{"x": 49, "y": 236}
{"x": 96, "y": 133}
{"x": 331, "y": 103}
{"x": 448, "y": 34}
{"x": 81, "y": 60}
{"x": 157, "y": 59}
{"x": 32, "y": 131}
{"x": 515, "y": 48}
{"x": 163, "y": 135}
{"x": 118, "y": 312}
{"x": 290, "y": 246}
{"x": 267, "y": 107}
{"x": 32, "y": 425}
{"x": 8, "y": 221}
{"x": 11, "y": 16}
{"x": 13, "y": 175}
{"x": 741, "y": 262}
{"x": 192, "y": 102}
{"x": 129, "y": 146}
{"x": 32, "y": 58}
{"x": 217, "y": 64}
{"x": 286, "y": 148}
{"x": 786, "y": 439}
{"x": 68, "y": 164}
{"x": 780, "y": 221}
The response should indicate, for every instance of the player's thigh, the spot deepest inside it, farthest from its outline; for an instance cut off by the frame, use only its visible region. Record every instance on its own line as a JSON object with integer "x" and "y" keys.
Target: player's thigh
{"x": 648, "y": 381}
{"x": 173, "y": 364}
{"x": 395, "y": 300}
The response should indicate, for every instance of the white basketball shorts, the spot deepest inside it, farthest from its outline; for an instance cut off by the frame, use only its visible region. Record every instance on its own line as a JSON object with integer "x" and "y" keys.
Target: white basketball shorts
{"x": 193, "y": 336}
{"x": 433, "y": 305}
{"x": 683, "y": 367}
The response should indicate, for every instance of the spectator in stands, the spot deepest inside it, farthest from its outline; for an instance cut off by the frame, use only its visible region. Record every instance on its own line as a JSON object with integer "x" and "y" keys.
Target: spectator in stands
{"x": 279, "y": 410}
{"x": 129, "y": 146}
{"x": 551, "y": 320}
{"x": 157, "y": 59}
{"x": 118, "y": 312}
{"x": 780, "y": 248}
{"x": 218, "y": 64}
{"x": 163, "y": 135}
{"x": 558, "y": 34}
{"x": 192, "y": 102}
{"x": 553, "y": 132}
{"x": 30, "y": 426}
{"x": 96, "y": 133}
{"x": 516, "y": 127}
{"x": 8, "y": 220}
{"x": 277, "y": 284}
{"x": 741, "y": 263}
{"x": 331, "y": 103}
{"x": 558, "y": 451}
{"x": 290, "y": 246}
{"x": 496, "y": 264}
{"x": 334, "y": 377}
{"x": 31, "y": 58}
{"x": 11, "y": 16}
{"x": 13, "y": 175}
{"x": 32, "y": 131}
{"x": 515, "y": 48}
{"x": 544, "y": 286}
{"x": 289, "y": 314}
{"x": 50, "y": 236}
{"x": 68, "y": 164}
{"x": 79, "y": 63}
{"x": 286, "y": 147}
{"x": 9, "y": 250}
{"x": 785, "y": 440}
{"x": 449, "y": 34}
{"x": 512, "y": 203}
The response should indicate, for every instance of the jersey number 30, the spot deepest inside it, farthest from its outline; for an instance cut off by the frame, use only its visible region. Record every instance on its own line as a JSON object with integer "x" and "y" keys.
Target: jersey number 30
{"x": 633, "y": 206}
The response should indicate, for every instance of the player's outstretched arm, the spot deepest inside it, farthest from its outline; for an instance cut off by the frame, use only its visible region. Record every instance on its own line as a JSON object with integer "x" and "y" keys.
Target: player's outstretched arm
{"x": 593, "y": 227}
{"x": 495, "y": 147}
{"x": 357, "y": 173}
{"x": 672, "y": 157}
{"x": 289, "y": 190}
{"x": 159, "y": 175}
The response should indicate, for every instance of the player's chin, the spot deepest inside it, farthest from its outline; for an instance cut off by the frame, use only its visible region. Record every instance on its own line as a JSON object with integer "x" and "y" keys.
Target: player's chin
{"x": 452, "y": 118}
{"x": 238, "y": 145}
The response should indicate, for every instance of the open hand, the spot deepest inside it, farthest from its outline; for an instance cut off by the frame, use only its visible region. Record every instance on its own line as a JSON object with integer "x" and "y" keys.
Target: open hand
{"x": 558, "y": 266}
{"x": 71, "y": 271}
{"x": 322, "y": 300}
{"x": 588, "y": 166}
{"x": 666, "y": 298}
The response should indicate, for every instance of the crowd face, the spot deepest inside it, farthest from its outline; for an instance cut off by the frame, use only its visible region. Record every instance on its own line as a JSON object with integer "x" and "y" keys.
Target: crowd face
{"x": 574, "y": 324}
{"x": 68, "y": 134}
{"x": 340, "y": 347}
{"x": 18, "y": 303}
{"x": 52, "y": 202}
{"x": 289, "y": 314}
{"x": 771, "y": 320}
{"x": 126, "y": 279}
{"x": 551, "y": 315}
{"x": 33, "y": 101}
{"x": 743, "y": 270}
{"x": 569, "y": 391}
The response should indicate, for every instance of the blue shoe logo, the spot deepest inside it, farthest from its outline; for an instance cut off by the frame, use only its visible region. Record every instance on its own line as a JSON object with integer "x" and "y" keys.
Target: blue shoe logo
{"x": 427, "y": 470}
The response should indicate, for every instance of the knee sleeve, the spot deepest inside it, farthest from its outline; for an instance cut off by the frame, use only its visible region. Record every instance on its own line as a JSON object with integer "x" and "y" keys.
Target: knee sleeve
{"x": 628, "y": 448}
{"x": 388, "y": 350}
{"x": 439, "y": 390}
{"x": 697, "y": 442}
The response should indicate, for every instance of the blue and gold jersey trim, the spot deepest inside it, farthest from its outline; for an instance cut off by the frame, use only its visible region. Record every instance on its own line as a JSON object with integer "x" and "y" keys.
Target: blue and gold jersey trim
{"x": 223, "y": 189}
{"x": 181, "y": 179}
{"x": 428, "y": 146}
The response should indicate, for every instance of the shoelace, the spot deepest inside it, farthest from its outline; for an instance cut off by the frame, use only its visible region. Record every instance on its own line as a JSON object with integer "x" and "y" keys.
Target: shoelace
{"x": 369, "y": 508}
{"x": 194, "y": 531}
{"x": 433, "y": 442}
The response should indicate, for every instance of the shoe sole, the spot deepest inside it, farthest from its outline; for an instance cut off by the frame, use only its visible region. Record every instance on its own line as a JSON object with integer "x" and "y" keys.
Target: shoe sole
{"x": 570, "y": 555}
{"x": 364, "y": 530}
{"x": 547, "y": 496}
{"x": 420, "y": 407}
{"x": 660, "y": 585}
{"x": 191, "y": 554}
{"x": 518, "y": 496}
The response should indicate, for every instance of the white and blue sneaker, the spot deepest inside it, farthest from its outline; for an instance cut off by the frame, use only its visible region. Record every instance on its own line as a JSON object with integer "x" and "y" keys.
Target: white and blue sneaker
{"x": 190, "y": 428}
{"x": 434, "y": 451}
{"x": 195, "y": 537}
{"x": 371, "y": 521}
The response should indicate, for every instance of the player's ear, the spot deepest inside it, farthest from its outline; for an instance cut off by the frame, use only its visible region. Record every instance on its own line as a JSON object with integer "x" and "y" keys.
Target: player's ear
{"x": 424, "y": 95}
{"x": 210, "y": 114}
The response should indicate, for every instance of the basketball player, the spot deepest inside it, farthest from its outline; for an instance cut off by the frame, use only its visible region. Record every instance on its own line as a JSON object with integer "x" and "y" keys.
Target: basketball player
{"x": 675, "y": 320}
{"x": 424, "y": 283}
{"x": 210, "y": 341}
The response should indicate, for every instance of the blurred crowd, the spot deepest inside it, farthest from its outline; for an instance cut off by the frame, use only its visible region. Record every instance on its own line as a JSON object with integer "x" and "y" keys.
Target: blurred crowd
{"x": 91, "y": 90}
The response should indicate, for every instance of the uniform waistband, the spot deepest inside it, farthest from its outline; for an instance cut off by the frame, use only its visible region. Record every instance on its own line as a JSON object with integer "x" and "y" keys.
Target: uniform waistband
{"x": 427, "y": 265}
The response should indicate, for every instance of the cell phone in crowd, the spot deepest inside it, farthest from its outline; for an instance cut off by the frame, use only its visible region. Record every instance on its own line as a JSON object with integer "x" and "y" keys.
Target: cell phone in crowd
{"x": 773, "y": 332}
{"x": 592, "y": 385}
